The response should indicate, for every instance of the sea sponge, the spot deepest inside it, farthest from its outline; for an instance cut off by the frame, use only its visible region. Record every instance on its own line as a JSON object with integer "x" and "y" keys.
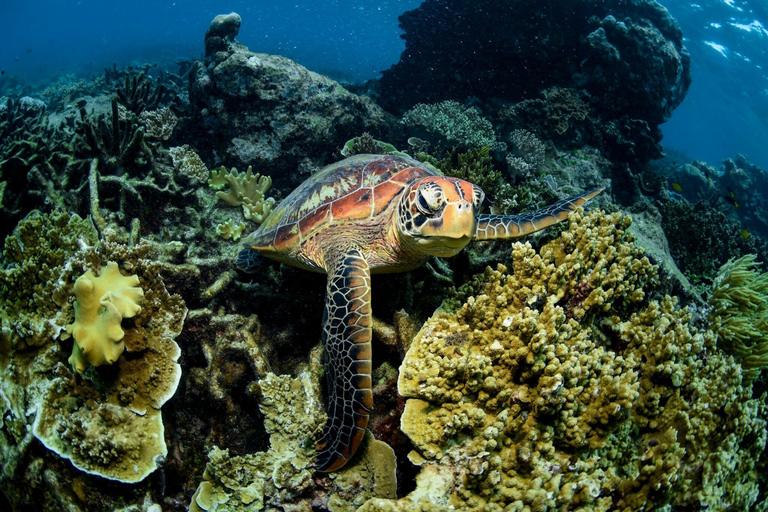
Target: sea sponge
{"x": 102, "y": 303}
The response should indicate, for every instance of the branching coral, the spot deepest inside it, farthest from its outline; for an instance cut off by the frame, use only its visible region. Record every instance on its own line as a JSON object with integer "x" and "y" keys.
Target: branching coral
{"x": 246, "y": 190}
{"x": 140, "y": 93}
{"x": 158, "y": 124}
{"x": 527, "y": 154}
{"x": 451, "y": 124}
{"x": 739, "y": 313}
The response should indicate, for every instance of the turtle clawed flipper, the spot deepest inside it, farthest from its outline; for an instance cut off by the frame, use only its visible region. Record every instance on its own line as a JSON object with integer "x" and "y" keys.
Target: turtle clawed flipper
{"x": 504, "y": 227}
{"x": 347, "y": 339}
{"x": 249, "y": 260}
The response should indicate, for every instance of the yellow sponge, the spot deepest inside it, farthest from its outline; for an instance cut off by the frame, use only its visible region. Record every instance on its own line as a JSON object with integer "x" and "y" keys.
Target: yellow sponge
{"x": 102, "y": 303}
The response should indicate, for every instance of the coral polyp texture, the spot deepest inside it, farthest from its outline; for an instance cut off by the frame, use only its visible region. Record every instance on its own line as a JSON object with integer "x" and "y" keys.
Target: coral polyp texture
{"x": 555, "y": 385}
{"x": 283, "y": 475}
{"x": 102, "y": 303}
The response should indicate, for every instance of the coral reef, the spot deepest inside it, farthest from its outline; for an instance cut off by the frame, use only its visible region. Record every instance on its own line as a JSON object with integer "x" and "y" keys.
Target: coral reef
{"x": 268, "y": 111}
{"x": 700, "y": 252}
{"x": 531, "y": 391}
{"x": 282, "y": 476}
{"x": 102, "y": 304}
{"x": 597, "y": 47}
{"x": 449, "y": 124}
{"x": 107, "y": 422}
{"x": 739, "y": 313}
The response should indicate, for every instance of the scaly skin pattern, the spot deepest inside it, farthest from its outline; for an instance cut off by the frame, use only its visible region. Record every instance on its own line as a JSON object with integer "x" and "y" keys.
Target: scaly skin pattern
{"x": 505, "y": 227}
{"x": 347, "y": 338}
{"x": 374, "y": 214}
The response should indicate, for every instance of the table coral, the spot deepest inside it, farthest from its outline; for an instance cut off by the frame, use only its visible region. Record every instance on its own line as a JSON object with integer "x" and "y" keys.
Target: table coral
{"x": 557, "y": 385}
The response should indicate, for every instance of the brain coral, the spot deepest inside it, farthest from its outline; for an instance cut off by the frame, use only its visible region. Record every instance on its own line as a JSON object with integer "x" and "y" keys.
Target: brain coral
{"x": 558, "y": 386}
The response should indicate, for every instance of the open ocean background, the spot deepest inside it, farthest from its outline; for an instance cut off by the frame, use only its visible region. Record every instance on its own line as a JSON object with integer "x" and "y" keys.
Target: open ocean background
{"x": 724, "y": 114}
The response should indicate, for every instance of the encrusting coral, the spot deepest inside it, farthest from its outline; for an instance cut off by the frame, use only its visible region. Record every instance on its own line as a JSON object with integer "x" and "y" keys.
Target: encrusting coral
{"x": 282, "y": 476}
{"x": 557, "y": 386}
{"x": 739, "y": 313}
{"x": 102, "y": 303}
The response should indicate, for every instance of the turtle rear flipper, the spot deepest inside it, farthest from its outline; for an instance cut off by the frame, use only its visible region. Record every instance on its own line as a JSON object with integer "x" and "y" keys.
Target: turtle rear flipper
{"x": 347, "y": 339}
{"x": 504, "y": 227}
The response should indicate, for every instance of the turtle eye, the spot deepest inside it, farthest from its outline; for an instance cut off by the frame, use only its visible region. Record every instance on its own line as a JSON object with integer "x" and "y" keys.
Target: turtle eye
{"x": 477, "y": 197}
{"x": 429, "y": 200}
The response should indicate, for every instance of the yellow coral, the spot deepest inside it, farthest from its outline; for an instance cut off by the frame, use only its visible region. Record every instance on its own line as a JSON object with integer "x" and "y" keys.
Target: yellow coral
{"x": 551, "y": 388}
{"x": 102, "y": 303}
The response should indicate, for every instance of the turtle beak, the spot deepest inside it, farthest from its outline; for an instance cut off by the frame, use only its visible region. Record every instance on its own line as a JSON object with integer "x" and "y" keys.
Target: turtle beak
{"x": 459, "y": 222}
{"x": 452, "y": 231}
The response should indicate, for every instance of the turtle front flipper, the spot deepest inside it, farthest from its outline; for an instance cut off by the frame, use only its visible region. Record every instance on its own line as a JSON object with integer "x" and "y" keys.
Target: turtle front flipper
{"x": 347, "y": 340}
{"x": 504, "y": 227}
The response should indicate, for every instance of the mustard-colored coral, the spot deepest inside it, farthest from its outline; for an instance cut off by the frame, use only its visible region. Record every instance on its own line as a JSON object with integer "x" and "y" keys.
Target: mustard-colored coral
{"x": 739, "y": 313}
{"x": 557, "y": 386}
{"x": 283, "y": 475}
{"x": 102, "y": 303}
{"x": 247, "y": 190}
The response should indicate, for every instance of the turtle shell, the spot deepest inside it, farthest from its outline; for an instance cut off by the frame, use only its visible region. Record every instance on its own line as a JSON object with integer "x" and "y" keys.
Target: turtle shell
{"x": 357, "y": 188}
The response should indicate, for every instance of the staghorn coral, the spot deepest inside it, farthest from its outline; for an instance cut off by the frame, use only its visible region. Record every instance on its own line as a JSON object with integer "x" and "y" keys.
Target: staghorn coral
{"x": 739, "y": 313}
{"x": 246, "y": 190}
{"x": 450, "y": 123}
{"x": 529, "y": 393}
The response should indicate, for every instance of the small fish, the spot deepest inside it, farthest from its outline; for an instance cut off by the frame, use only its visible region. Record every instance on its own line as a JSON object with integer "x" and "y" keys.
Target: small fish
{"x": 81, "y": 103}
{"x": 2, "y": 72}
{"x": 732, "y": 198}
{"x": 744, "y": 234}
{"x": 677, "y": 187}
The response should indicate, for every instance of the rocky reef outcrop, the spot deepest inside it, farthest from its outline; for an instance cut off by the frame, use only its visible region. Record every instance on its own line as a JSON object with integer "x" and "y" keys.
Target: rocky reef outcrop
{"x": 271, "y": 112}
{"x": 624, "y": 59}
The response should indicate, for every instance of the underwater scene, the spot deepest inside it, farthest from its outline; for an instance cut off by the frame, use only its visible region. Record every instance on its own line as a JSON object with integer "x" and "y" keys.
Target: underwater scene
{"x": 489, "y": 255}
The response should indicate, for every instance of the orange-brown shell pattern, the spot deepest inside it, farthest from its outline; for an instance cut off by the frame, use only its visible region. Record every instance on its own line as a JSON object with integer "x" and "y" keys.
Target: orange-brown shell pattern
{"x": 355, "y": 189}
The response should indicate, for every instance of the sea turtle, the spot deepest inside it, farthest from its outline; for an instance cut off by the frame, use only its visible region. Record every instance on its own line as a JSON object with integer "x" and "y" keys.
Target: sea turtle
{"x": 374, "y": 214}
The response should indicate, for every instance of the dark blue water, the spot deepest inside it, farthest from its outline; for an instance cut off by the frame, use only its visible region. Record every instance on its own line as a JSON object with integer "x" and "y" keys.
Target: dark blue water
{"x": 725, "y": 112}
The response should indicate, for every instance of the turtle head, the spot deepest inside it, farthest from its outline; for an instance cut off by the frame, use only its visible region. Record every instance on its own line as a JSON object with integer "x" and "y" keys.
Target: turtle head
{"x": 437, "y": 215}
